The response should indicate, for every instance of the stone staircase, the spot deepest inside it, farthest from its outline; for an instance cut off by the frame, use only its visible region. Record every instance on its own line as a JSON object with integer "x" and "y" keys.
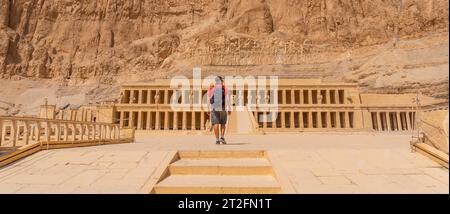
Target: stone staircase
{"x": 219, "y": 172}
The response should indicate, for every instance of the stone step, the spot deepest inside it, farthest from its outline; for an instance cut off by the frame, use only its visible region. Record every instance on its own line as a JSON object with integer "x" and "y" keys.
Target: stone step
{"x": 217, "y": 184}
{"x": 242, "y": 166}
{"x": 221, "y": 154}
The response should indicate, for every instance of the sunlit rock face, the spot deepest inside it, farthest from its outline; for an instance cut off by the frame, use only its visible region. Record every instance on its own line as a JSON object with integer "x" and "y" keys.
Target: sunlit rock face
{"x": 389, "y": 46}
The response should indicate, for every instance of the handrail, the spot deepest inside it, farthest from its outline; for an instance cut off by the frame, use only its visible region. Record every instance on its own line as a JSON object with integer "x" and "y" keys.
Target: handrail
{"x": 51, "y": 120}
{"x": 435, "y": 127}
{"x": 430, "y": 138}
{"x": 26, "y": 130}
{"x": 255, "y": 124}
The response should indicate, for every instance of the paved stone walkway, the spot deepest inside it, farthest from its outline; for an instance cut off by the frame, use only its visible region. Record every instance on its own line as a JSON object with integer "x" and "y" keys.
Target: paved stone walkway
{"x": 304, "y": 163}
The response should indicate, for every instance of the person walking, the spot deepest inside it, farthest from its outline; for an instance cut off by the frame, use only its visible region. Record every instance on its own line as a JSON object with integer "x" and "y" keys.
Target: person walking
{"x": 219, "y": 109}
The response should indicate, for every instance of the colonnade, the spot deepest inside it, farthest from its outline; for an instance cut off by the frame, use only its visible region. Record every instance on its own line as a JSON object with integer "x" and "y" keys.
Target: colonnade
{"x": 304, "y": 96}
{"x": 306, "y": 120}
{"x": 164, "y": 120}
{"x": 393, "y": 121}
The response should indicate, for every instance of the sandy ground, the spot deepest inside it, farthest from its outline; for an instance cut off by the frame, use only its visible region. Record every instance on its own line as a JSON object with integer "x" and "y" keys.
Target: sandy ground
{"x": 305, "y": 163}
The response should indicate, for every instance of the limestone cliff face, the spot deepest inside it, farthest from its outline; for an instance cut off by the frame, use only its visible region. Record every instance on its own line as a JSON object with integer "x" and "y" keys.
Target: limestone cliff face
{"x": 110, "y": 40}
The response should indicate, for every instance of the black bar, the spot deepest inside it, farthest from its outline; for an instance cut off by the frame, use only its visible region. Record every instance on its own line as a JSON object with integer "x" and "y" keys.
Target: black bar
{"x": 318, "y": 203}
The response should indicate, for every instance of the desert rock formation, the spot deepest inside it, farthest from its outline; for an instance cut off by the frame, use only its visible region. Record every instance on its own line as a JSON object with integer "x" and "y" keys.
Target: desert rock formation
{"x": 390, "y": 46}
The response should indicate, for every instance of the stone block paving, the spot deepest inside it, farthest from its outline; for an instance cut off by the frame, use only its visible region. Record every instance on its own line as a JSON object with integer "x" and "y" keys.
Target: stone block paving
{"x": 80, "y": 171}
{"x": 304, "y": 163}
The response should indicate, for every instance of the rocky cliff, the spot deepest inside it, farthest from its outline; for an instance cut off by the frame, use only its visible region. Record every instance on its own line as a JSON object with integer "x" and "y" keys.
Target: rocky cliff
{"x": 386, "y": 45}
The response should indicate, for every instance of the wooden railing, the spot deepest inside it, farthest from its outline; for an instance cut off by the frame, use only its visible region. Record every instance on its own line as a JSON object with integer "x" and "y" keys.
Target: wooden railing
{"x": 22, "y": 131}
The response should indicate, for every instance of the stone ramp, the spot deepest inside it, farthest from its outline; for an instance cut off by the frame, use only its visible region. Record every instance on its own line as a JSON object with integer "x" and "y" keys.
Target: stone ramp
{"x": 242, "y": 122}
{"x": 219, "y": 172}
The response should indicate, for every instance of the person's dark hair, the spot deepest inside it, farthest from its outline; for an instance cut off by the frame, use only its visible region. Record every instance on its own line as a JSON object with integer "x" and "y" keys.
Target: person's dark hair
{"x": 219, "y": 79}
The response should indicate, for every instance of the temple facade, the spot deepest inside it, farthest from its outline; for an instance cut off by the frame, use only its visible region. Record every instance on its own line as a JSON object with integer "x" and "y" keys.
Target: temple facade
{"x": 295, "y": 105}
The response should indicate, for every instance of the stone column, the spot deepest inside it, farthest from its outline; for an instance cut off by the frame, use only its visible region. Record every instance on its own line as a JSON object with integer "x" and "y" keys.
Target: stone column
{"x": 379, "y": 123}
{"x": 131, "y": 96}
{"x": 193, "y": 121}
{"x": 265, "y": 120}
{"x": 65, "y": 136}
{"x": 184, "y": 126}
{"x": 83, "y": 116}
{"x": 149, "y": 120}
{"x": 408, "y": 121}
{"x": 38, "y": 131}
{"x": 283, "y": 100}
{"x": 183, "y": 98}
{"x": 82, "y": 133}
{"x": 98, "y": 129}
{"x": 283, "y": 119}
{"x": 140, "y": 97}
{"x": 103, "y": 132}
{"x": 108, "y": 132}
{"x": 58, "y": 132}
{"x": 13, "y": 133}
{"x": 310, "y": 118}
{"x": 202, "y": 121}
{"x": 300, "y": 119}
{"x": 32, "y": 132}
{"x": 338, "y": 120}
{"x": 139, "y": 122}
{"x": 47, "y": 131}
{"x": 200, "y": 98}
{"x": 166, "y": 119}
{"x": 336, "y": 96}
{"x": 111, "y": 132}
{"x": 69, "y": 137}
{"x": 399, "y": 121}
{"x": 241, "y": 98}
{"x": 166, "y": 97}
{"x": 319, "y": 120}
{"x": 118, "y": 132}
{"x": 80, "y": 129}
{"x": 388, "y": 119}
{"x": 347, "y": 119}
{"x": 327, "y": 120}
{"x": 330, "y": 95}
{"x": 96, "y": 133}
{"x": 292, "y": 120}
{"x": 89, "y": 115}
{"x": 131, "y": 120}
{"x": 292, "y": 97}
{"x": 301, "y": 97}
{"x": 91, "y": 132}
{"x": 122, "y": 115}
{"x": 249, "y": 98}
{"x": 310, "y": 97}
{"x": 157, "y": 121}
{"x": 86, "y": 132}
{"x": 26, "y": 132}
